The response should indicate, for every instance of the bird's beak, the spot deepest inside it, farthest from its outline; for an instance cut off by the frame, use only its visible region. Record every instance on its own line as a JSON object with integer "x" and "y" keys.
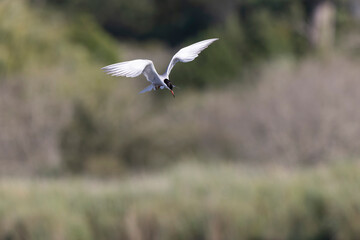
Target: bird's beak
{"x": 172, "y": 92}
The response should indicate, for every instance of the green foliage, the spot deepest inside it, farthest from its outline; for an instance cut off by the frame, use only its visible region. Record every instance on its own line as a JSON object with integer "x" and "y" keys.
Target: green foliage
{"x": 219, "y": 63}
{"x": 92, "y": 123}
{"x": 286, "y": 114}
{"x": 22, "y": 44}
{"x": 259, "y": 31}
{"x": 250, "y": 30}
{"x": 33, "y": 39}
{"x": 172, "y": 20}
{"x": 47, "y": 67}
{"x": 87, "y": 33}
{"x": 190, "y": 201}
{"x": 175, "y": 21}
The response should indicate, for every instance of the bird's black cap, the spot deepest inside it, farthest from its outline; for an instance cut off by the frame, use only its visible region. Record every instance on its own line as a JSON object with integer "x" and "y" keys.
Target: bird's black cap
{"x": 168, "y": 83}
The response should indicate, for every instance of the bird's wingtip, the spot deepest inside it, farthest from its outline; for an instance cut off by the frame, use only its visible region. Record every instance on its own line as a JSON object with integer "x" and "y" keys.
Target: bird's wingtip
{"x": 105, "y": 66}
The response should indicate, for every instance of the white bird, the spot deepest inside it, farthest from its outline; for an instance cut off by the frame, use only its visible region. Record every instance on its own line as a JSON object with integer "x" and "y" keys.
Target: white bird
{"x": 144, "y": 66}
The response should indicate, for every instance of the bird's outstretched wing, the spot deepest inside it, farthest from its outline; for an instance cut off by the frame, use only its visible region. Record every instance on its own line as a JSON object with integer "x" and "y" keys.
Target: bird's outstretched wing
{"x": 189, "y": 53}
{"x": 133, "y": 69}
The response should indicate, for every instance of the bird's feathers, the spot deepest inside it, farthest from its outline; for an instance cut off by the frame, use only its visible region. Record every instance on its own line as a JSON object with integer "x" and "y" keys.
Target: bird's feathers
{"x": 143, "y": 66}
{"x": 189, "y": 53}
{"x": 148, "y": 88}
{"x": 132, "y": 69}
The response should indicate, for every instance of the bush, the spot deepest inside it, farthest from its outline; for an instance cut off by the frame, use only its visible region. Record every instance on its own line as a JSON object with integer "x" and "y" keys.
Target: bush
{"x": 294, "y": 115}
{"x": 189, "y": 201}
{"x": 43, "y": 72}
{"x": 307, "y": 114}
{"x": 65, "y": 114}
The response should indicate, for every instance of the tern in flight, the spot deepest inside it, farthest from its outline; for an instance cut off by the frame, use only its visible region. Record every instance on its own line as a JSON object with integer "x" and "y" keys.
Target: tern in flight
{"x": 144, "y": 66}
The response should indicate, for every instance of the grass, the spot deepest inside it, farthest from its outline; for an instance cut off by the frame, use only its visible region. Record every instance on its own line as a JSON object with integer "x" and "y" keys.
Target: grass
{"x": 190, "y": 201}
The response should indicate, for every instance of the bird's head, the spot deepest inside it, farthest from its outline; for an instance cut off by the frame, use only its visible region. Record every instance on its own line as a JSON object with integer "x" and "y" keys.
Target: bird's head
{"x": 170, "y": 86}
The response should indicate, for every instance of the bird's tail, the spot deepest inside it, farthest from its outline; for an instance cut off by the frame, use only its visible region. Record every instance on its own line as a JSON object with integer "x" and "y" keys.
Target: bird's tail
{"x": 148, "y": 88}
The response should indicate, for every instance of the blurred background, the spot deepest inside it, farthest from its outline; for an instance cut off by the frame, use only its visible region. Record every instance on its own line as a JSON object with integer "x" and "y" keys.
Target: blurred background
{"x": 261, "y": 142}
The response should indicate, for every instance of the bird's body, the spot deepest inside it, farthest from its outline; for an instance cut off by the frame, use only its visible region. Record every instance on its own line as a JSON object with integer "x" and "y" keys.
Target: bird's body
{"x": 146, "y": 67}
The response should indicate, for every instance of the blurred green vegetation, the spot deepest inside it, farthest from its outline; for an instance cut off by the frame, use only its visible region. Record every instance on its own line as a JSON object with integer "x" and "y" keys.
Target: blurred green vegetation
{"x": 189, "y": 201}
{"x": 275, "y": 103}
{"x": 250, "y": 30}
{"x": 48, "y": 64}
{"x": 36, "y": 38}
{"x": 68, "y": 116}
